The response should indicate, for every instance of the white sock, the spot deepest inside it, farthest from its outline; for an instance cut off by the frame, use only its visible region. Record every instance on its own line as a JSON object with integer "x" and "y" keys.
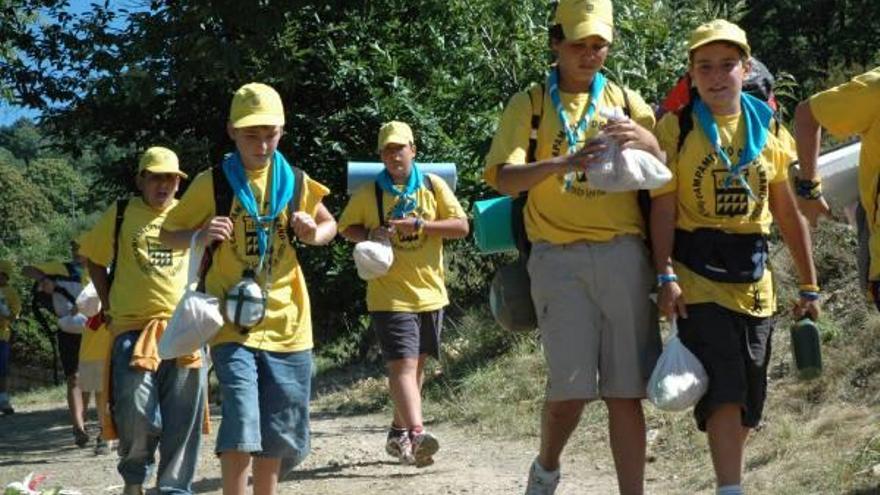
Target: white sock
{"x": 729, "y": 490}
{"x": 542, "y": 473}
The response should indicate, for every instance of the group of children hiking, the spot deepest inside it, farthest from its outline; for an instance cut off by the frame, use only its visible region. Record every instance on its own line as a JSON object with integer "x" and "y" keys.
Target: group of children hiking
{"x": 590, "y": 266}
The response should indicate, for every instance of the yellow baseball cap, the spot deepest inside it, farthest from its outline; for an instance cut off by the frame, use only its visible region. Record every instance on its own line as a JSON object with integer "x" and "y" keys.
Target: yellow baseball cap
{"x": 6, "y": 268}
{"x": 256, "y": 104}
{"x": 159, "y": 160}
{"x": 582, "y": 18}
{"x": 395, "y": 132}
{"x": 719, "y": 30}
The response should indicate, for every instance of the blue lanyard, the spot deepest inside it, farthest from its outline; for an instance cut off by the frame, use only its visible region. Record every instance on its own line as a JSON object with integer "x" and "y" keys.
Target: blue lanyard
{"x": 757, "y": 115}
{"x": 573, "y": 132}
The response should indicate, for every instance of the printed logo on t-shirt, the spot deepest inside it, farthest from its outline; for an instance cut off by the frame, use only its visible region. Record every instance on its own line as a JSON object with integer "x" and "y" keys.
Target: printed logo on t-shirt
{"x": 729, "y": 198}
{"x": 152, "y": 257}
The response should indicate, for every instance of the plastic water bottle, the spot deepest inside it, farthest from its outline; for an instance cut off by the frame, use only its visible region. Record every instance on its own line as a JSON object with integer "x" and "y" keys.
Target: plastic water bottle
{"x": 806, "y": 348}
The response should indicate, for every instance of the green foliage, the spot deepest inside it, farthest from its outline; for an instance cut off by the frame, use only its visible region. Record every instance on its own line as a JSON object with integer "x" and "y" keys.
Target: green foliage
{"x": 22, "y": 207}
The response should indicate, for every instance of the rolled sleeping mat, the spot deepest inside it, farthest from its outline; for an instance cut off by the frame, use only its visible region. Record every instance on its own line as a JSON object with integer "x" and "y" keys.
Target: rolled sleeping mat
{"x": 360, "y": 173}
{"x": 493, "y": 230}
{"x": 839, "y": 170}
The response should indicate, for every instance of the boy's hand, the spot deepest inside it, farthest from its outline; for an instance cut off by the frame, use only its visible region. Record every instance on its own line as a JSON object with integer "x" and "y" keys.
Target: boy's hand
{"x": 217, "y": 229}
{"x": 630, "y": 135}
{"x": 304, "y": 226}
{"x": 591, "y": 154}
{"x": 407, "y": 226}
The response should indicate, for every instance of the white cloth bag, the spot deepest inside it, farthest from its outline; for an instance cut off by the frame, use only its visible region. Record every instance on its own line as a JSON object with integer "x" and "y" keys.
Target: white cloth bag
{"x": 679, "y": 379}
{"x": 373, "y": 259}
{"x": 626, "y": 169}
{"x": 88, "y": 302}
{"x": 196, "y": 319}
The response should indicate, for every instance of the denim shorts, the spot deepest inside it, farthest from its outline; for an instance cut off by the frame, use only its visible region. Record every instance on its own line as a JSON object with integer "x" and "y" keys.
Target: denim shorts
{"x": 265, "y": 402}
{"x": 4, "y": 358}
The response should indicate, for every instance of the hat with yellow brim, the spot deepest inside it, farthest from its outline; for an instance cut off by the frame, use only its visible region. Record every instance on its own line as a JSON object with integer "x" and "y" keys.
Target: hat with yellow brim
{"x": 159, "y": 160}
{"x": 719, "y": 30}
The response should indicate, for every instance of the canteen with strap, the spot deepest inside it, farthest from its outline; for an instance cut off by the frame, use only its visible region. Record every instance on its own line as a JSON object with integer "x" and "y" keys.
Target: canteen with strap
{"x": 245, "y": 302}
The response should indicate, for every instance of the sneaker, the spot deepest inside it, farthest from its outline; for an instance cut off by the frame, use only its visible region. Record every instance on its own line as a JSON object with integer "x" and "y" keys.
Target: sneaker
{"x": 541, "y": 481}
{"x": 424, "y": 446}
{"x": 101, "y": 446}
{"x": 80, "y": 437}
{"x": 396, "y": 442}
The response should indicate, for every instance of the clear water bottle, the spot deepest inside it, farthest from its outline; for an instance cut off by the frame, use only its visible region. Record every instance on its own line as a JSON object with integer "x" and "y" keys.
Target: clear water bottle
{"x": 806, "y": 348}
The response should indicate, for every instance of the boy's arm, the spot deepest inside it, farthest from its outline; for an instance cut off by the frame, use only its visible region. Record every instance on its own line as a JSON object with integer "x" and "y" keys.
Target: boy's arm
{"x": 663, "y": 211}
{"x": 217, "y": 229}
{"x": 797, "y": 237}
{"x": 316, "y": 231}
{"x": 99, "y": 276}
{"x": 448, "y": 228}
{"x": 808, "y": 135}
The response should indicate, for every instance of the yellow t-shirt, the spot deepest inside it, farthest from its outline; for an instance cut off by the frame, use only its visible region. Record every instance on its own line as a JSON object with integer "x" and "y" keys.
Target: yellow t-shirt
{"x": 854, "y": 108}
{"x": 287, "y": 326}
{"x": 95, "y": 344}
{"x": 9, "y": 297}
{"x": 704, "y": 201}
{"x": 416, "y": 280}
{"x": 551, "y": 213}
{"x": 150, "y": 277}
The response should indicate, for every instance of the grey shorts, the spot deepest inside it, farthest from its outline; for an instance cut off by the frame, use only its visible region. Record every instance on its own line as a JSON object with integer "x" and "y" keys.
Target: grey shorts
{"x": 598, "y": 328}
{"x": 408, "y": 335}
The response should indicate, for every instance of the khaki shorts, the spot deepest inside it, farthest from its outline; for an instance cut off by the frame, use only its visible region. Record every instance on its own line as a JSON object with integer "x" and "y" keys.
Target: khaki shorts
{"x": 598, "y": 328}
{"x": 91, "y": 376}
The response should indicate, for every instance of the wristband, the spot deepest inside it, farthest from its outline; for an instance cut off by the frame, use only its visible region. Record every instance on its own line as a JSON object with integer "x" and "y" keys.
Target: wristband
{"x": 809, "y": 295}
{"x": 665, "y": 278}
{"x": 808, "y": 189}
{"x": 809, "y": 288}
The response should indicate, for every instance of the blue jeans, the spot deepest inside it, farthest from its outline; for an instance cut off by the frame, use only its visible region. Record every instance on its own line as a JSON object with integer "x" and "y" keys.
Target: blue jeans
{"x": 265, "y": 402}
{"x": 164, "y": 409}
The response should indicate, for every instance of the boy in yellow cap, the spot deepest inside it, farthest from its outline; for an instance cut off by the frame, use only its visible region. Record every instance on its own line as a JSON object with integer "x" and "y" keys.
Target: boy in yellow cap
{"x": 10, "y": 308}
{"x": 709, "y": 227}
{"x": 406, "y": 304}
{"x": 60, "y": 283}
{"x": 849, "y": 109}
{"x": 589, "y": 268}
{"x": 155, "y": 405}
{"x": 264, "y": 367}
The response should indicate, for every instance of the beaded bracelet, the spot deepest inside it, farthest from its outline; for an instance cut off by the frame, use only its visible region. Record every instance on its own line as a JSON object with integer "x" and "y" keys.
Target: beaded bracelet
{"x": 809, "y": 295}
{"x": 808, "y": 189}
{"x": 665, "y": 278}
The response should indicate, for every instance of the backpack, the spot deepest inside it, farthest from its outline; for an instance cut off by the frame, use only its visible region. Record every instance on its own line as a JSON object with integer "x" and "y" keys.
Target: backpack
{"x": 680, "y": 99}
{"x": 223, "y": 197}
{"x": 427, "y": 183}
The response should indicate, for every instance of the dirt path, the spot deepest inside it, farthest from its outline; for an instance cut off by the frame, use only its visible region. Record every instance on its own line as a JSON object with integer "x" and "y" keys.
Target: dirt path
{"x": 347, "y": 458}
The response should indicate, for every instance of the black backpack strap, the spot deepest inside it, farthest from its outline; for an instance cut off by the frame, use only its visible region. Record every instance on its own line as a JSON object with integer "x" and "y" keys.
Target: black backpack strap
{"x": 380, "y": 209}
{"x": 537, "y": 115}
{"x": 222, "y": 208}
{"x": 295, "y": 203}
{"x": 121, "y": 206}
{"x": 517, "y": 217}
{"x": 65, "y": 294}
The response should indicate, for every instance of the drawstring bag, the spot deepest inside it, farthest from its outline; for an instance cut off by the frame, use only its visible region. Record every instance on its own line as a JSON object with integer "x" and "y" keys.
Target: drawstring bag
{"x": 245, "y": 302}
{"x": 626, "y": 169}
{"x": 679, "y": 379}
{"x": 373, "y": 259}
{"x": 196, "y": 319}
{"x": 88, "y": 302}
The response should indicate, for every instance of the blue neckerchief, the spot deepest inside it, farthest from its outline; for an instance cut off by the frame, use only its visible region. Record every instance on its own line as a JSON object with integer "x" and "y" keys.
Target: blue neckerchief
{"x": 757, "y": 115}
{"x": 280, "y": 192}
{"x": 406, "y": 199}
{"x": 572, "y": 133}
